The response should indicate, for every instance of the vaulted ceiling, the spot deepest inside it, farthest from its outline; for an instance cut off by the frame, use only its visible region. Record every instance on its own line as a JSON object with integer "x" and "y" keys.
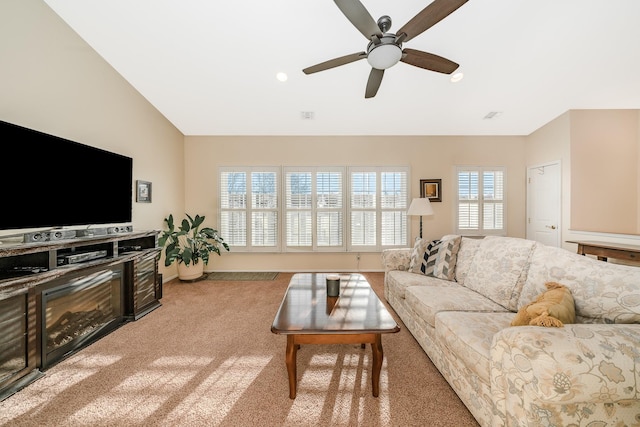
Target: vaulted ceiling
{"x": 210, "y": 66}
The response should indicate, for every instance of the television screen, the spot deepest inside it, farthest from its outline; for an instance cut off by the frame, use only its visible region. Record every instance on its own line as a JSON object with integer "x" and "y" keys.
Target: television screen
{"x": 59, "y": 183}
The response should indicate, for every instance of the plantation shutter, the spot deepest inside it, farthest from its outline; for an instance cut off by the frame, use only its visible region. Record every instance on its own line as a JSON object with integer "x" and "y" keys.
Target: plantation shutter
{"x": 481, "y": 200}
{"x": 363, "y": 208}
{"x": 264, "y": 209}
{"x": 233, "y": 208}
{"x": 314, "y": 208}
{"x": 298, "y": 204}
{"x": 393, "y": 205}
{"x": 249, "y": 208}
{"x": 378, "y": 199}
{"x": 329, "y": 208}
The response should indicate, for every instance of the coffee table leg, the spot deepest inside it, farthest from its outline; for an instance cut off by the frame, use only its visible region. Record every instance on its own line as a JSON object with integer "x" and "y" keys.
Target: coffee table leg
{"x": 376, "y": 349}
{"x": 290, "y": 360}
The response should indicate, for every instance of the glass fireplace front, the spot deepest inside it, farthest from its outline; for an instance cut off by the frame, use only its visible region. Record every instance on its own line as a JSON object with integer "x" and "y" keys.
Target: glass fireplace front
{"x": 13, "y": 335}
{"x": 78, "y": 311}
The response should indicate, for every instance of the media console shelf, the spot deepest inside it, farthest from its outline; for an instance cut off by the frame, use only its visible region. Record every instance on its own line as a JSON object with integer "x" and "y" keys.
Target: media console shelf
{"x": 29, "y": 272}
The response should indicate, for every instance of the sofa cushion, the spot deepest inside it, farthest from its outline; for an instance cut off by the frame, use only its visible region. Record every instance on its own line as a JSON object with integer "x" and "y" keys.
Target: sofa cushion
{"x": 398, "y": 281}
{"x": 427, "y": 301}
{"x": 467, "y": 336}
{"x": 602, "y": 292}
{"x": 499, "y": 269}
{"x": 468, "y": 249}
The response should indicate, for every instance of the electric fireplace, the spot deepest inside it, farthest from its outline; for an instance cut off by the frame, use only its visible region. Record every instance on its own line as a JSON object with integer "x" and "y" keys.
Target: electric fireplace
{"x": 78, "y": 311}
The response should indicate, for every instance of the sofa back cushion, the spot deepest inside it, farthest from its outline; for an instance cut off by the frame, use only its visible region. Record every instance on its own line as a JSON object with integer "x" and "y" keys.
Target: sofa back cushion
{"x": 499, "y": 269}
{"x": 603, "y": 292}
{"x": 468, "y": 249}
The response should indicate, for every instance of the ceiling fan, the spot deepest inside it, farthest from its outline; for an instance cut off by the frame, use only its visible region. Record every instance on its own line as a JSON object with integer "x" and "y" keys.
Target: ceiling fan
{"x": 385, "y": 49}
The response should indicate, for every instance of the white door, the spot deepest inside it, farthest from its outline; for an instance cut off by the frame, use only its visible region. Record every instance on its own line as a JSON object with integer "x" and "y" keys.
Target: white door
{"x": 544, "y": 204}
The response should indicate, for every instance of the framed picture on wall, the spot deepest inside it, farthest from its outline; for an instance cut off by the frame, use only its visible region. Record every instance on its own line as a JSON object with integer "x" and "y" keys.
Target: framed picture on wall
{"x": 143, "y": 191}
{"x": 431, "y": 189}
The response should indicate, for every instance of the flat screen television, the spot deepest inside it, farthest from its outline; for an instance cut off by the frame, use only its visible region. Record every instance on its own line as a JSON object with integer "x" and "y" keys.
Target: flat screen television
{"x": 57, "y": 183}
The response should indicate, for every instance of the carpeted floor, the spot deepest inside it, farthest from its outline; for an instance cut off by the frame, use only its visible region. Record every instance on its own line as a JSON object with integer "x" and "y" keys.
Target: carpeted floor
{"x": 242, "y": 275}
{"x": 207, "y": 357}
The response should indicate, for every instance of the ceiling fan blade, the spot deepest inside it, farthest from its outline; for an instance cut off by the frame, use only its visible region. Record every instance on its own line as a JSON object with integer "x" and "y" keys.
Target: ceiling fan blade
{"x": 373, "y": 84}
{"x": 428, "y": 61}
{"x": 359, "y": 17}
{"x": 332, "y": 63}
{"x": 429, "y": 16}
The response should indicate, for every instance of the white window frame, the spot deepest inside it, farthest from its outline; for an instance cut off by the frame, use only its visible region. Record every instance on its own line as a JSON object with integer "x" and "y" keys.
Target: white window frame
{"x": 345, "y": 209}
{"x": 378, "y": 209}
{"x": 480, "y": 230}
{"x": 249, "y": 209}
{"x": 314, "y": 209}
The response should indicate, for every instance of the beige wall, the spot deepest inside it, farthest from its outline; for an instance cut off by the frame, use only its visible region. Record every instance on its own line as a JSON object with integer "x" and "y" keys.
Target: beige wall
{"x": 601, "y": 146}
{"x": 604, "y": 153}
{"x": 52, "y": 81}
{"x": 427, "y": 156}
{"x": 552, "y": 143}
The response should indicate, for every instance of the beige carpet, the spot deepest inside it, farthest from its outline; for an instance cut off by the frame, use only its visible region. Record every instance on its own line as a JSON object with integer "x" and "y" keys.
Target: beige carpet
{"x": 207, "y": 357}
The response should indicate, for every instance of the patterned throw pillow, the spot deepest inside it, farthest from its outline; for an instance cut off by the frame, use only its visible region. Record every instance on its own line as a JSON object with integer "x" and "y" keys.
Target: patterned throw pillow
{"x": 416, "y": 254}
{"x": 440, "y": 256}
{"x": 428, "y": 264}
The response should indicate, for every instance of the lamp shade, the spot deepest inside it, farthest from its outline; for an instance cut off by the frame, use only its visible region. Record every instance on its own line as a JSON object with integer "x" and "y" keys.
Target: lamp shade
{"x": 420, "y": 207}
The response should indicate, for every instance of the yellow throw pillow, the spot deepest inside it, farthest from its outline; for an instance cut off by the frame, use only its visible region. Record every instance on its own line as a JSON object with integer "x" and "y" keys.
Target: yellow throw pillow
{"x": 554, "y": 307}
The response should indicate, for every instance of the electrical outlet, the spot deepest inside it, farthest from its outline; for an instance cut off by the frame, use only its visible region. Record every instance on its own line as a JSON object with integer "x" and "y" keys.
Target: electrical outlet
{"x": 358, "y": 257}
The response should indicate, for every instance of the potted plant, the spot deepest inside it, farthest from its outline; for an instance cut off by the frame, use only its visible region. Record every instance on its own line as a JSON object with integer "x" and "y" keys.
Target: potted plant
{"x": 190, "y": 245}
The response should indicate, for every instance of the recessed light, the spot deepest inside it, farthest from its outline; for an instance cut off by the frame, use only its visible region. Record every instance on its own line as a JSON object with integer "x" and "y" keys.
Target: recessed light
{"x": 457, "y": 77}
{"x": 282, "y": 76}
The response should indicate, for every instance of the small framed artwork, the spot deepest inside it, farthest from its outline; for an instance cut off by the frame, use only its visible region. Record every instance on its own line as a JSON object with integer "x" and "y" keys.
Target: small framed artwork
{"x": 431, "y": 189}
{"x": 143, "y": 191}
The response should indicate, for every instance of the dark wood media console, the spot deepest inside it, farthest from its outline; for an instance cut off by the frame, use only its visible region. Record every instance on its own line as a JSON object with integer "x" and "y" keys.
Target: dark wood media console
{"x": 33, "y": 275}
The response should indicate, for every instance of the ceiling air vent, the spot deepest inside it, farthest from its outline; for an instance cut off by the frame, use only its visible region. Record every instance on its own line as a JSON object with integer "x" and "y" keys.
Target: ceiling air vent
{"x": 492, "y": 115}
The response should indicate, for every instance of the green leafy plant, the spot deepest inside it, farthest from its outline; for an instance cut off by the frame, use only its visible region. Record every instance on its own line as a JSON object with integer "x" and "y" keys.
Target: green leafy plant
{"x": 189, "y": 243}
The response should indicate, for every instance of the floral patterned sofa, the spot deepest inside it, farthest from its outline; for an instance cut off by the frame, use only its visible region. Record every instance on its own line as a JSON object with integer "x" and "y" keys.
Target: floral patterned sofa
{"x": 582, "y": 374}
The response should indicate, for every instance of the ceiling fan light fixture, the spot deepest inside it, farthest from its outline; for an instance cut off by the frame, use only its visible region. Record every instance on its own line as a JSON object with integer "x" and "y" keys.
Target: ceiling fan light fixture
{"x": 383, "y": 56}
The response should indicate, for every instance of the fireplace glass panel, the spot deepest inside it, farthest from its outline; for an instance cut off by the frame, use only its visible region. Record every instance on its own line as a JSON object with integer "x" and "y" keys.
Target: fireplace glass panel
{"x": 80, "y": 310}
{"x": 13, "y": 335}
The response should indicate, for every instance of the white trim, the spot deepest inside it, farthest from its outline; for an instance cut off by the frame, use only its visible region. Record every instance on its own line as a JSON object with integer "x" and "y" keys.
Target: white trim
{"x": 600, "y": 236}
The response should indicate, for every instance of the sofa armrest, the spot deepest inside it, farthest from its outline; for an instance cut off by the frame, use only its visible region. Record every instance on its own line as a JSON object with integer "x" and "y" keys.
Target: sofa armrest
{"x": 396, "y": 259}
{"x": 566, "y": 375}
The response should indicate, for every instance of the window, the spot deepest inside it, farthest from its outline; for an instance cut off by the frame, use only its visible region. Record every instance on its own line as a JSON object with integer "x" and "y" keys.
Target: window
{"x": 481, "y": 200}
{"x": 378, "y": 208}
{"x": 249, "y": 208}
{"x": 316, "y": 209}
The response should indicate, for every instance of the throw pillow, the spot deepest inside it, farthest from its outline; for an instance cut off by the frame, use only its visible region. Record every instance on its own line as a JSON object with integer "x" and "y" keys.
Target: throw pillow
{"x": 554, "y": 307}
{"x": 417, "y": 253}
{"x": 438, "y": 257}
{"x": 428, "y": 264}
{"x": 443, "y": 257}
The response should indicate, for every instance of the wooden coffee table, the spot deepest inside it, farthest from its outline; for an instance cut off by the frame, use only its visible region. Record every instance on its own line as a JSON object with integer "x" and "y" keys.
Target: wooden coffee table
{"x": 308, "y": 316}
